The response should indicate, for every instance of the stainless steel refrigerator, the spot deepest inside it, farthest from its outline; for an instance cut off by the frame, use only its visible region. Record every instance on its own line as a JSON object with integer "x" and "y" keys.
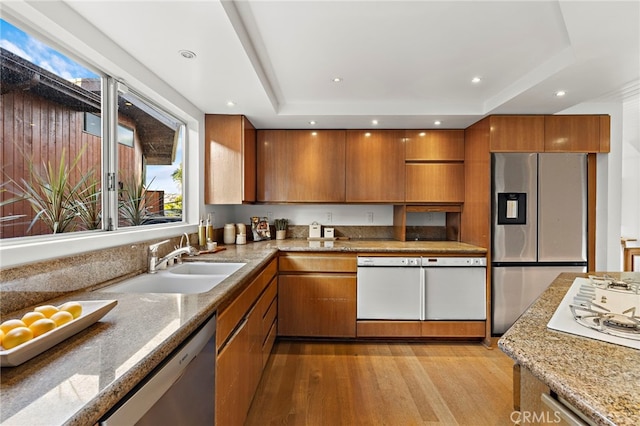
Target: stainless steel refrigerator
{"x": 539, "y": 229}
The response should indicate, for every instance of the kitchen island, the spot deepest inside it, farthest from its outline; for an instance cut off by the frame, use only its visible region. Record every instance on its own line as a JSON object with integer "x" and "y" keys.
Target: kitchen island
{"x": 77, "y": 381}
{"x": 601, "y": 380}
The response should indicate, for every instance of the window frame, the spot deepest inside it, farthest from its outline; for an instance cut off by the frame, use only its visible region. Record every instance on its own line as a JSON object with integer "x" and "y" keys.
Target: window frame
{"x": 39, "y": 20}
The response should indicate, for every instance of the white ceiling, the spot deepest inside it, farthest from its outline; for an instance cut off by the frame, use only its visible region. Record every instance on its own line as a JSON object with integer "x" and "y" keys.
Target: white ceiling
{"x": 404, "y": 63}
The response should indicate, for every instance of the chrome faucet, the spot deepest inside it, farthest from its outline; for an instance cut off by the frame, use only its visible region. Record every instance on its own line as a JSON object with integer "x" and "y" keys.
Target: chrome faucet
{"x": 155, "y": 264}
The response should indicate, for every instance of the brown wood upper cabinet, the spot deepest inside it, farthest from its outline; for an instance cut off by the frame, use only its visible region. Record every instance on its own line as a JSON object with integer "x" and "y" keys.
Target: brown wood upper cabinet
{"x": 434, "y": 166}
{"x": 434, "y": 145}
{"x": 301, "y": 166}
{"x": 549, "y": 133}
{"x": 516, "y": 133}
{"x": 375, "y": 166}
{"x": 576, "y": 133}
{"x": 230, "y": 160}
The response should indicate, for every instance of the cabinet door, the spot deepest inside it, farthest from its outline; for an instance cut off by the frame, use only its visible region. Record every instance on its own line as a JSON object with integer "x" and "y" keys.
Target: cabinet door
{"x": 301, "y": 166}
{"x": 517, "y": 133}
{"x": 232, "y": 388}
{"x": 435, "y": 182}
{"x": 317, "y": 305}
{"x": 230, "y": 160}
{"x": 434, "y": 145}
{"x": 572, "y": 133}
{"x": 375, "y": 166}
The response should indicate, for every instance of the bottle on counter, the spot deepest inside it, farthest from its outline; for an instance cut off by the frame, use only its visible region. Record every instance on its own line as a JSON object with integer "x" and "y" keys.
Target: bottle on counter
{"x": 229, "y": 233}
{"x": 209, "y": 233}
{"x": 202, "y": 233}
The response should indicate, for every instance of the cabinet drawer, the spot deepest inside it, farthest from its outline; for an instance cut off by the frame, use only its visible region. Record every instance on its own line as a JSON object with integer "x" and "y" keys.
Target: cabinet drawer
{"x": 268, "y": 343}
{"x": 270, "y": 316}
{"x": 230, "y": 316}
{"x": 318, "y": 263}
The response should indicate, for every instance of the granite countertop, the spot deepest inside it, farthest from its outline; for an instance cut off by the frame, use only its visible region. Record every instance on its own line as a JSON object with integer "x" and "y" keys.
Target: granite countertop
{"x": 77, "y": 381}
{"x": 600, "y": 379}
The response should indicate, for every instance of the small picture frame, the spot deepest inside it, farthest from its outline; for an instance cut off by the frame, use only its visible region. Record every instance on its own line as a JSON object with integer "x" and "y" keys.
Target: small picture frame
{"x": 260, "y": 228}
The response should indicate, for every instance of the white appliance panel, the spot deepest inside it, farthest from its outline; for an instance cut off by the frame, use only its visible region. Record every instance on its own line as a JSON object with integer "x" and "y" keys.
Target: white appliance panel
{"x": 389, "y": 293}
{"x": 455, "y": 293}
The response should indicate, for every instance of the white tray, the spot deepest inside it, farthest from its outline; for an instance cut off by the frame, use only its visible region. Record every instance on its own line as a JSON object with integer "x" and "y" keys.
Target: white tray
{"x": 92, "y": 311}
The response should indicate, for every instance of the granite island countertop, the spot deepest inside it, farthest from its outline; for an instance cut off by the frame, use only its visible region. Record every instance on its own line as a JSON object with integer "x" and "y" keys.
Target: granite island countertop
{"x": 601, "y": 379}
{"x": 77, "y": 381}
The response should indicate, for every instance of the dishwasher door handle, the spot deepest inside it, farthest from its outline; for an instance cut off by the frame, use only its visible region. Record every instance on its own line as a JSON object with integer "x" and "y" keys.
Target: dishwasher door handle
{"x": 564, "y": 412}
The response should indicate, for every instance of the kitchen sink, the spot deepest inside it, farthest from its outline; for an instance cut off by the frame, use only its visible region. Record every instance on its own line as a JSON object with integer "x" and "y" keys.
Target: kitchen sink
{"x": 187, "y": 278}
{"x": 205, "y": 268}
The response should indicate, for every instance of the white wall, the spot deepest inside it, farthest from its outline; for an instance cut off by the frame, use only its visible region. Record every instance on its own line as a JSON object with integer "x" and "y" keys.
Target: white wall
{"x": 609, "y": 186}
{"x": 630, "y": 211}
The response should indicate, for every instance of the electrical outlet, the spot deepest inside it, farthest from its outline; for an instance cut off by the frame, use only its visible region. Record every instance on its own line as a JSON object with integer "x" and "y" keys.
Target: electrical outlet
{"x": 270, "y": 216}
{"x": 329, "y": 217}
{"x": 369, "y": 217}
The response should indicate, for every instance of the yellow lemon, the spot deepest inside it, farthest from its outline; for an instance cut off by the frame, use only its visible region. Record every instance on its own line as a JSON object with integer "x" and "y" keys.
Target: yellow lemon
{"x": 9, "y": 325}
{"x": 74, "y": 308}
{"x": 47, "y": 310}
{"x": 16, "y": 336}
{"x": 42, "y": 326}
{"x": 61, "y": 317}
{"x": 1, "y": 336}
{"x": 31, "y": 317}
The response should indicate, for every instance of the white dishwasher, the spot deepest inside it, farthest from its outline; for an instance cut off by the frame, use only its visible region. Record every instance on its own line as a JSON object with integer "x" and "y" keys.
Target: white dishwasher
{"x": 455, "y": 288}
{"x": 389, "y": 288}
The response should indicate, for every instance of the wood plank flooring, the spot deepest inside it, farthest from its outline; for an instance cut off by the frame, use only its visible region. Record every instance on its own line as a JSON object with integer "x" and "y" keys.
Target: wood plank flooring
{"x": 396, "y": 384}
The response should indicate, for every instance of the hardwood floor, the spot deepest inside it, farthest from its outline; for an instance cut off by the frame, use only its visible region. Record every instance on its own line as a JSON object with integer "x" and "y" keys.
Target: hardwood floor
{"x": 356, "y": 383}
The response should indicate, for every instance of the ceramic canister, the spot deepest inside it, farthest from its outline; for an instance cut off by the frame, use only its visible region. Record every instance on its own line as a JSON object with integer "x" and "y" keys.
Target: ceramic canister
{"x": 229, "y": 236}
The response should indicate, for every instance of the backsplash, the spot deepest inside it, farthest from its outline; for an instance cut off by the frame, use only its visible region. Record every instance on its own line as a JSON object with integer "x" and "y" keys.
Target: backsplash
{"x": 29, "y": 285}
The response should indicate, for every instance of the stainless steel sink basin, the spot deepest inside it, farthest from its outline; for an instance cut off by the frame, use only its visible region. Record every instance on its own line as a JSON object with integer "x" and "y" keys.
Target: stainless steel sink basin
{"x": 205, "y": 268}
{"x": 187, "y": 278}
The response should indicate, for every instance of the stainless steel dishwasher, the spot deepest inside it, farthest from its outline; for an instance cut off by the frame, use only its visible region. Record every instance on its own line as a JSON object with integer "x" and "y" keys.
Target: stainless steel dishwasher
{"x": 181, "y": 391}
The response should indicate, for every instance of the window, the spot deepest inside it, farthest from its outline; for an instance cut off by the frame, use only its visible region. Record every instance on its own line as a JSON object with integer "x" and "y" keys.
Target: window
{"x": 53, "y": 113}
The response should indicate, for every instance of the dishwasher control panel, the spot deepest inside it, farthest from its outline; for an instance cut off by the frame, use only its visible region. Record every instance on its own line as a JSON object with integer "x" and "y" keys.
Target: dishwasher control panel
{"x": 388, "y": 261}
{"x": 454, "y": 261}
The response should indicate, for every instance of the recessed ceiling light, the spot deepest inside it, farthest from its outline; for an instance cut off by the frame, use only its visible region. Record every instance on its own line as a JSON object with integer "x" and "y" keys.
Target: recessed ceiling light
{"x": 374, "y": 122}
{"x": 187, "y": 54}
{"x": 476, "y": 80}
{"x": 367, "y": 134}
{"x": 337, "y": 79}
{"x": 231, "y": 104}
{"x": 437, "y": 122}
{"x": 312, "y": 122}
{"x": 422, "y": 134}
{"x": 560, "y": 93}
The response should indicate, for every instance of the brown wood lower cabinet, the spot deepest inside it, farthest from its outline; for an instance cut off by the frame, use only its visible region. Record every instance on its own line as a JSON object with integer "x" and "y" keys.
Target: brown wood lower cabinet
{"x": 245, "y": 333}
{"x": 317, "y": 305}
{"x": 317, "y": 295}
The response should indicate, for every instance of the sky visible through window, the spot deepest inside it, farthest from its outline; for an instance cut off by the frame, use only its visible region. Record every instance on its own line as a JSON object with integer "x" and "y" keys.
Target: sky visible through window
{"x": 22, "y": 44}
